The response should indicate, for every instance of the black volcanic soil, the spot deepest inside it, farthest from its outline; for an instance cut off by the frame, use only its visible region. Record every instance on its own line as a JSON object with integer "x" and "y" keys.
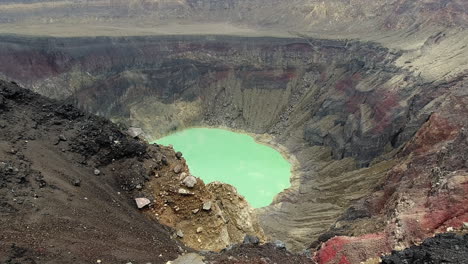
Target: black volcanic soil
{"x": 252, "y": 254}
{"x": 45, "y": 147}
{"x": 443, "y": 248}
{"x": 56, "y": 208}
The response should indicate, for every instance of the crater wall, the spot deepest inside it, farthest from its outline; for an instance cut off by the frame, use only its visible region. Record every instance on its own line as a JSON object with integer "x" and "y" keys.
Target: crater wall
{"x": 342, "y": 108}
{"x": 346, "y": 95}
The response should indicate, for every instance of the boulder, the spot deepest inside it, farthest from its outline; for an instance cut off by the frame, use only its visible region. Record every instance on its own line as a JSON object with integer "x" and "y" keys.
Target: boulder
{"x": 184, "y": 192}
{"x": 279, "y": 244}
{"x": 182, "y": 176}
{"x": 180, "y": 233}
{"x": 178, "y": 169}
{"x": 76, "y": 182}
{"x": 248, "y": 239}
{"x": 135, "y": 132}
{"x": 207, "y": 206}
{"x": 142, "y": 202}
{"x": 190, "y": 181}
{"x": 178, "y": 155}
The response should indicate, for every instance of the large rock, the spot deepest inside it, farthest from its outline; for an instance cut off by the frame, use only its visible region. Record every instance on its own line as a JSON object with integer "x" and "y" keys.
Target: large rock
{"x": 76, "y": 182}
{"x": 190, "y": 181}
{"x": 207, "y": 205}
{"x": 180, "y": 233}
{"x": 248, "y": 239}
{"x": 142, "y": 202}
{"x": 135, "y": 132}
{"x": 184, "y": 192}
{"x": 279, "y": 244}
{"x": 178, "y": 169}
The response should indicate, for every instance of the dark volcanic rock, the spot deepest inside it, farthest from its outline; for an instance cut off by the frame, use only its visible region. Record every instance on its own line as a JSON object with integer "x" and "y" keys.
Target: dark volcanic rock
{"x": 354, "y": 213}
{"x": 254, "y": 253}
{"x": 107, "y": 142}
{"x": 251, "y": 240}
{"x": 443, "y": 248}
{"x": 76, "y": 182}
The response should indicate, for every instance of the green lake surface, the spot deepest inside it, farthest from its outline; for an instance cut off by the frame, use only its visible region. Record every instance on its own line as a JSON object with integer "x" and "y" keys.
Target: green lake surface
{"x": 259, "y": 172}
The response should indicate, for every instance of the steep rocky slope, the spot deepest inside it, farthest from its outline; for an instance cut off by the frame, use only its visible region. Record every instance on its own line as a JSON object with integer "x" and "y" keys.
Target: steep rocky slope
{"x": 53, "y": 206}
{"x": 425, "y": 193}
{"x": 67, "y": 183}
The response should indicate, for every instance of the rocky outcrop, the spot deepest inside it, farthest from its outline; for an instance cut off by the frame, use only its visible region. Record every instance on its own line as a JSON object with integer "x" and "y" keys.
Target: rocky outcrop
{"x": 206, "y": 217}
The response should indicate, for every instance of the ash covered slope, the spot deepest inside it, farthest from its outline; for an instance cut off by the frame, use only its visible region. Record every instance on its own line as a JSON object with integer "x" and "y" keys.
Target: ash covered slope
{"x": 46, "y": 148}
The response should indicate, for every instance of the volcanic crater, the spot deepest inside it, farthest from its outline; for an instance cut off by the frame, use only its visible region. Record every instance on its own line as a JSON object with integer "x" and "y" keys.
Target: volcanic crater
{"x": 373, "y": 124}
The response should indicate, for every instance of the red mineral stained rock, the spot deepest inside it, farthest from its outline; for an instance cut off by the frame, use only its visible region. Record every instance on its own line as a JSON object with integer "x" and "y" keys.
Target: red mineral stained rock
{"x": 349, "y": 250}
{"x": 426, "y": 194}
{"x": 436, "y": 130}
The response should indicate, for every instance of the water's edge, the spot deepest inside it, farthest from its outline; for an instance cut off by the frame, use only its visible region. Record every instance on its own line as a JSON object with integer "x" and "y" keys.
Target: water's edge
{"x": 262, "y": 139}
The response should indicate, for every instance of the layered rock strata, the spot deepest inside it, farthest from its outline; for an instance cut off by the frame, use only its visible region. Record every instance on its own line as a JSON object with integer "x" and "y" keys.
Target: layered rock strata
{"x": 340, "y": 108}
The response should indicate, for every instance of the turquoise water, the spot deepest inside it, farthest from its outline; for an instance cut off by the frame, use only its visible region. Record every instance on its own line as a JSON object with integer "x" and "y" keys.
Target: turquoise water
{"x": 257, "y": 171}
